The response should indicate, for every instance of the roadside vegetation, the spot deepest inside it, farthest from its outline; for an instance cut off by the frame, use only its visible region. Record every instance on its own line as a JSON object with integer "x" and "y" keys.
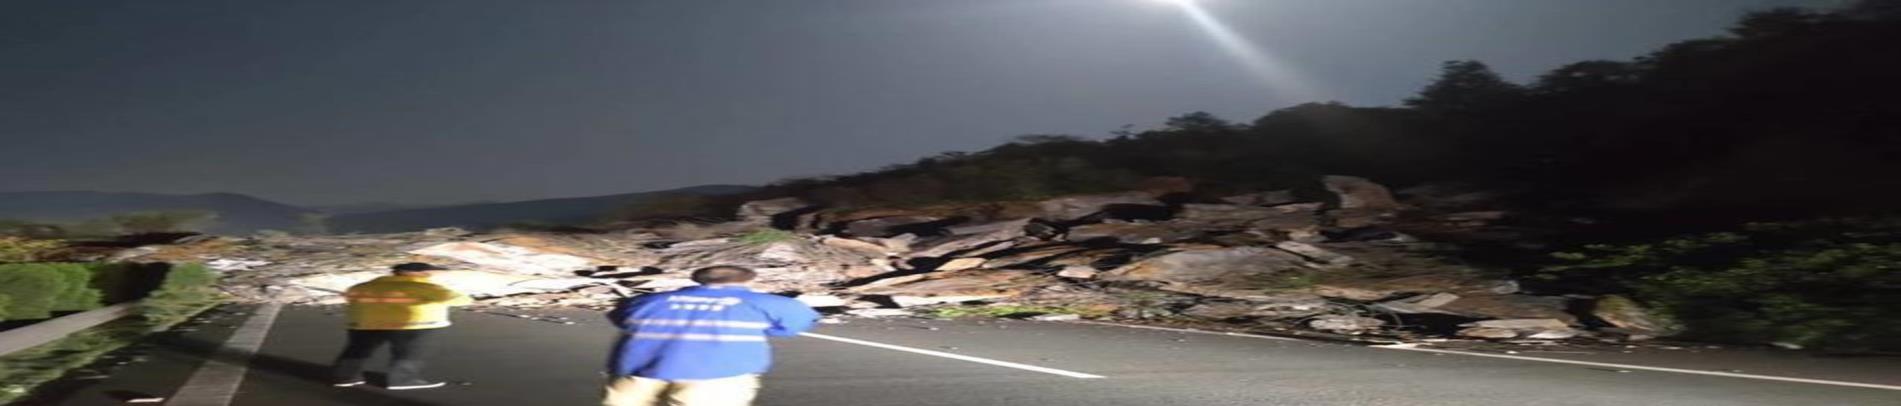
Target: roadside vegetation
{"x": 1832, "y": 284}
{"x": 132, "y": 223}
{"x": 40, "y": 290}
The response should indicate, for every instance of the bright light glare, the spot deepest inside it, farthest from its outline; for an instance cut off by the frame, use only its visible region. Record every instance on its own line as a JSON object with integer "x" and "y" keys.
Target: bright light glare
{"x": 1273, "y": 72}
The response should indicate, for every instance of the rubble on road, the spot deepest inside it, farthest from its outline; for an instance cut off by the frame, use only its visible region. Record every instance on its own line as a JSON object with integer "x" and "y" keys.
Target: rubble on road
{"x": 1333, "y": 266}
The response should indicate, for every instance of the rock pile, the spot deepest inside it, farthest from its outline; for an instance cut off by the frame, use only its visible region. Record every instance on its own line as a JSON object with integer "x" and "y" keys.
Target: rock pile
{"x": 1336, "y": 265}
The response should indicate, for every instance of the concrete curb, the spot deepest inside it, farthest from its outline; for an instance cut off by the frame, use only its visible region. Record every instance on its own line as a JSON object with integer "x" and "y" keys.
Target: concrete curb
{"x": 22, "y": 338}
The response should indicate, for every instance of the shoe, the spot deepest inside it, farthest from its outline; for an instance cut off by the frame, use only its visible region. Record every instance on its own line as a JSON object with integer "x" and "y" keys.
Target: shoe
{"x": 346, "y": 384}
{"x": 418, "y": 385}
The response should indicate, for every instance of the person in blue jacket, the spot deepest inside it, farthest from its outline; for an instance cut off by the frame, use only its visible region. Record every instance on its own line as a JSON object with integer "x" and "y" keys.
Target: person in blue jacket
{"x": 700, "y": 346}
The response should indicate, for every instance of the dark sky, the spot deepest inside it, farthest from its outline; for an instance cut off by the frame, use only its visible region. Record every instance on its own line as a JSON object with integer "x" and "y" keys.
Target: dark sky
{"x": 330, "y": 101}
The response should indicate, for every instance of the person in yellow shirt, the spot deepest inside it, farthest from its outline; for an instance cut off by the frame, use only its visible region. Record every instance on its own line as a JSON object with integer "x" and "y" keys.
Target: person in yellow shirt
{"x": 403, "y": 310}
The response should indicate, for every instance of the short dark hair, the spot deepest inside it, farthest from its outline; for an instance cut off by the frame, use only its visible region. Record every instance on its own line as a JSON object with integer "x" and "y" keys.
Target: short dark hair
{"x": 415, "y": 267}
{"x": 722, "y": 274}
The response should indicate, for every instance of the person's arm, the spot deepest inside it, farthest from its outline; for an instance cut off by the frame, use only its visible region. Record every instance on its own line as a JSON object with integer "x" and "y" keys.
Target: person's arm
{"x": 451, "y": 297}
{"x": 790, "y": 317}
{"x": 625, "y": 309}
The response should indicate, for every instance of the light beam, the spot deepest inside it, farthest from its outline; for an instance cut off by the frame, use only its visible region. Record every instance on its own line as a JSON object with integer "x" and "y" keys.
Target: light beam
{"x": 1273, "y": 72}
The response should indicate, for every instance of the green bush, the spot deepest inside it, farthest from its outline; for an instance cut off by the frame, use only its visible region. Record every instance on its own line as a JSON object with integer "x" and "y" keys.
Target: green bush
{"x": 76, "y": 291}
{"x": 187, "y": 289}
{"x": 35, "y": 291}
{"x": 1830, "y": 284}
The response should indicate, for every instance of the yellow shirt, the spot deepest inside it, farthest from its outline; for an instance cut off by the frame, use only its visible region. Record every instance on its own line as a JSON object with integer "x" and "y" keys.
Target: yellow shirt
{"x": 399, "y": 302}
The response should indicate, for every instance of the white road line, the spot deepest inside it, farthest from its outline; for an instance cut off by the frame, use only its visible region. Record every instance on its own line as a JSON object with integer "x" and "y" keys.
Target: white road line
{"x": 1005, "y": 364}
{"x": 1407, "y": 347}
{"x": 216, "y": 382}
{"x": 1410, "y": 347}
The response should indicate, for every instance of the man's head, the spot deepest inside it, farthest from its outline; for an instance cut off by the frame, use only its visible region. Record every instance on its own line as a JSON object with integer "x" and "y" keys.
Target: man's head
{"x": 723, "y": 275}
{"x": 415, "y": 269}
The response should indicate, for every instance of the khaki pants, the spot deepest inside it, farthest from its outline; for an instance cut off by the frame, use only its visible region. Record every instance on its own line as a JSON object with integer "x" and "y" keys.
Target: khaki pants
{"x": 637, "y": 391}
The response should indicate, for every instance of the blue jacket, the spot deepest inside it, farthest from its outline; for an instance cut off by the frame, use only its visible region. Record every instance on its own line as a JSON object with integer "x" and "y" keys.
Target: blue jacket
{"x": 703, "y": 332}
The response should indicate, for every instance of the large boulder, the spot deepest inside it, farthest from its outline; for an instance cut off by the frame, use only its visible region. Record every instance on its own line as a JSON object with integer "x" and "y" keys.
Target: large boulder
{"x": 1247, "y": 273}
{"x": 1069, "y": 208}
{"x": 1626, "y": 314}
{"x": 771, "y": 211}
{"x": 1359, "y": 193}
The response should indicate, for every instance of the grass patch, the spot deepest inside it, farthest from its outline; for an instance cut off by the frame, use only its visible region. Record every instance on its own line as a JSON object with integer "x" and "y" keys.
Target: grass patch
{"x": 767, "y": 236}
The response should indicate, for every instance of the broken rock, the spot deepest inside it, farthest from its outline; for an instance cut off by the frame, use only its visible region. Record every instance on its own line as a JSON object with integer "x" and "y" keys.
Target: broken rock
{"x": 1076, "y": 207}
{"x": 1345, "y": 324}
{"x": 1314, "y": 253}
{"x": 1488, "y": 332}
{"x": 1360, "y": 193}
{"x": 1078, "y": 272}
{"x": 508, "y": 258}
{"x": 1418, "y": 304}
{"x": 1267, "y": 198}
{"x": 1133, "y": 233}
{"x": 1521, "y": 324}
{"x": 961, "y": 264}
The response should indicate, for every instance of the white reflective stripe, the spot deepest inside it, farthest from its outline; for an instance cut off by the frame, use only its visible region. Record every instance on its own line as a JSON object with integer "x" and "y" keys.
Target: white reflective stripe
{"x": 701, "y": 323}
{"x": 698, "y": 337}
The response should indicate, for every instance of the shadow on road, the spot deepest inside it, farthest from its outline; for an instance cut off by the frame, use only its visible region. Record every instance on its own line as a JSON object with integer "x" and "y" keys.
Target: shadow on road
{"x": 312, "y": 378}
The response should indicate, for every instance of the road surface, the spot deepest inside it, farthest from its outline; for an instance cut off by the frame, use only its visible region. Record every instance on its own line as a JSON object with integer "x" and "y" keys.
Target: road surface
{"x": 500, "y": 360}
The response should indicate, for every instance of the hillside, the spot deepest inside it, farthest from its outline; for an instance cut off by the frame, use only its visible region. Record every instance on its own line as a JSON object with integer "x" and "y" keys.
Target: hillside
{"x": 1784, "y": 118}
{"x": 565, "y": 211}
{"x": 236, "y": 213}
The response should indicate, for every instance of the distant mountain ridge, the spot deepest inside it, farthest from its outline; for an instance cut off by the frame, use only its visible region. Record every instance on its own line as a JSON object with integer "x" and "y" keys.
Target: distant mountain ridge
{"x": 374, "y": 207}
{"x": 237, "y": 213}
{"x": 565, "y": 211}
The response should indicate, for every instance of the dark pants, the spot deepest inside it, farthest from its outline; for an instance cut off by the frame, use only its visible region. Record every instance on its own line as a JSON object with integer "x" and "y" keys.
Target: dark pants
{"x": 407, "y": 349}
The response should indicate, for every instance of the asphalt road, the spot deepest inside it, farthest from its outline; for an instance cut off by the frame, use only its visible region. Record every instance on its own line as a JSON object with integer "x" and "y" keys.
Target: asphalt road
{"x": 499, "y": 360}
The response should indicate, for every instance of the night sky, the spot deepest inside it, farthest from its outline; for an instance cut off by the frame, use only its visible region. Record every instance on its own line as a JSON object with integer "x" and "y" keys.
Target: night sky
{"x": 325, "y": 102}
